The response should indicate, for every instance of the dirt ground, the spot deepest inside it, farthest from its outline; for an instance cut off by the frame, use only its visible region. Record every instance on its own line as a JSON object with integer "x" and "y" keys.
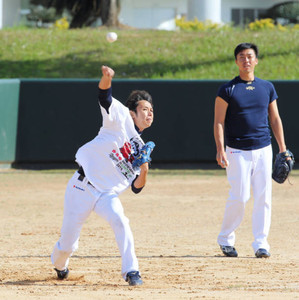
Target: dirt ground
{"x": 175, "y": 222}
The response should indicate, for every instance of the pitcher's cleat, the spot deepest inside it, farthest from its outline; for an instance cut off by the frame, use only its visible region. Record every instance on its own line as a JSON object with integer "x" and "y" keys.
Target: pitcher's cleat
{"x": 229, "y": 251}
{"x": 262, "y": 253}
{"x": 133, "y": 278}
{"x": 62, "y": 274}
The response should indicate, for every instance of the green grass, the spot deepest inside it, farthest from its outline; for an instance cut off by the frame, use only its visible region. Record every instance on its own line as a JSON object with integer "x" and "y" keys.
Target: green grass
{"x": 48, "y": 53}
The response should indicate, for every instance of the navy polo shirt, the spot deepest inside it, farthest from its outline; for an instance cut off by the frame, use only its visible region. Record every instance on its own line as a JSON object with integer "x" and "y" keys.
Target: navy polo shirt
{"x": 246, "y": 120}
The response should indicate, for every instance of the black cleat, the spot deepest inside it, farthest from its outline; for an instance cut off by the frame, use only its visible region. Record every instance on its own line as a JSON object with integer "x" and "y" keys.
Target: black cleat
{"x": 62, "y": 274}
{"x": 229, "y": 251}
{"x": 133, "y": 278}
{"x": 262, "y": 253}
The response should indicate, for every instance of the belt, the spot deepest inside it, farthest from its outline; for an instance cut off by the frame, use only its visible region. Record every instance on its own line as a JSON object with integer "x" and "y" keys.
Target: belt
{"x": 82, "y": 175}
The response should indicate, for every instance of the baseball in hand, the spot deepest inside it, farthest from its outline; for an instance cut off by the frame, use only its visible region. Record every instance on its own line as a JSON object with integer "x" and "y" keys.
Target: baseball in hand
{"x": 111, "y": 37}
{"x": 225, "y": 164}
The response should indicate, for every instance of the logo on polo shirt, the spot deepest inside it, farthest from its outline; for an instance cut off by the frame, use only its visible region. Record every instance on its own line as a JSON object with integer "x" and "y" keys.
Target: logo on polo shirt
{"x": 78, "y": 188}
{"x": 250, "y": 88}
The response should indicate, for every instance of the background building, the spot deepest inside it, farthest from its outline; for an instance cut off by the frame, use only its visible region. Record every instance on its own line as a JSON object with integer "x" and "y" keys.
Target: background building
{"x": 161, "y": 14}
{"x": 157, "y": 14}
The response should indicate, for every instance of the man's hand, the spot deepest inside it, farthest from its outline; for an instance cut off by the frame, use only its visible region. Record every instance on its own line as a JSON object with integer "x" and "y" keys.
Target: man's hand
{"x": 108, "y": 72}
{"x": 106, "y": 79}
{"x": 222, "y": 159}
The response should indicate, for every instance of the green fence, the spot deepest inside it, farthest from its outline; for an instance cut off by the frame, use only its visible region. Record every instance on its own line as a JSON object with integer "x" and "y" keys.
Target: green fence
{"x": 9, "y": 106}
{"x": 46, "y": 121}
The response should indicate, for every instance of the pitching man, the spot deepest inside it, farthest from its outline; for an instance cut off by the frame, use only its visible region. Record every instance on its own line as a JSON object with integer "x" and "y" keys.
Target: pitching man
{"x": 242, "y": 108}
{"x": 114, "y": 160}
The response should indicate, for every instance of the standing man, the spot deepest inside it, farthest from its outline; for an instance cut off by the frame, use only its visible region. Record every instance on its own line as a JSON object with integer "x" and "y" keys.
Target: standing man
{"x": 242, "y": 108}
{"x": 114, "y": 160}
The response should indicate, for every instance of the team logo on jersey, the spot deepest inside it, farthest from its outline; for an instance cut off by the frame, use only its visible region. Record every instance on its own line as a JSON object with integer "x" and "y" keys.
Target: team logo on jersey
{"x": 122, "y": 160}
{"x": 137, "y": 144}
{"x": 115, "y": 156}
{"x": 125, "y": 169}
{"x": 126, "y": 151}
{"x": 250, "y": 88}
{"x": 124, "y": 156}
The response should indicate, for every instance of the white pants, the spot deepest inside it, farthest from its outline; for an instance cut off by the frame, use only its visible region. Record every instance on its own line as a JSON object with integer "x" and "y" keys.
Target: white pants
{"x": 80, "y": 200}
{"x": 248, "y": 169}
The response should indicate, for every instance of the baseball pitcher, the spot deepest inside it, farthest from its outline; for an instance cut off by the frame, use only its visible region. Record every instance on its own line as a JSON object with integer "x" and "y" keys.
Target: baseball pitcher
{"x": 117, "y": 158}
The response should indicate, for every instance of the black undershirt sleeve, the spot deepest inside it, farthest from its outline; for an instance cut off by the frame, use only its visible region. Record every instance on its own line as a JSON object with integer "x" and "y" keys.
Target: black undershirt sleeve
{"x": 105, "y": 98}
{"x": 134, "y": 189}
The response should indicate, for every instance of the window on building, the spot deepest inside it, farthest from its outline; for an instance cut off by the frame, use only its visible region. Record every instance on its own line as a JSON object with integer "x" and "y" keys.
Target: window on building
{"x": 243, "y": 16}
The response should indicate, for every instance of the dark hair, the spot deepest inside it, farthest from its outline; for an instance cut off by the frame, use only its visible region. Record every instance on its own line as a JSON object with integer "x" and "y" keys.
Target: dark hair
{"x": 135, "y": 97}
{"x": 243, "y": 46}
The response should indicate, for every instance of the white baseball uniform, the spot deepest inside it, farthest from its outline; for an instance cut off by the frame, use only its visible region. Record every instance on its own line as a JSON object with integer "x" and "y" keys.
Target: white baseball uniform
{"x": 106, "y": 161}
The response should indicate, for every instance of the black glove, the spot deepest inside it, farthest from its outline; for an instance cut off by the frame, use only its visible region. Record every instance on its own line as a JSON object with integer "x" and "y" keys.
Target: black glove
{"x": 283, "y": 165}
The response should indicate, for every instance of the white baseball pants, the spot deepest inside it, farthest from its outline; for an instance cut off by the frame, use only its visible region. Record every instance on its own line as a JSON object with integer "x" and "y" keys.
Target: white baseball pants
{"x": 248, "y": 169}
{"x": 80, "y": 200}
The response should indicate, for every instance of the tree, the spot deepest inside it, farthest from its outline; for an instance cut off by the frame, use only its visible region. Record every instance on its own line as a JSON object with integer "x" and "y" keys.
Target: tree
{"x": 109, "y": 12}
{"x": 86, "y": 12}
{"x": 288, "y": 11}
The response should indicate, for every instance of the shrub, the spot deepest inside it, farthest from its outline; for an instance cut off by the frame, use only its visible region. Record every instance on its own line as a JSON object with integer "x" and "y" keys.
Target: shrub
{"x": 295, "y": 27}
{"x": 196, "y": 25}
{"x": 41, "y": 16}
{"x": 262, "y": 24}
{"x": 281, "y": 27}
{"x": 62, "y": 23}
{"x": 266, "y": 24}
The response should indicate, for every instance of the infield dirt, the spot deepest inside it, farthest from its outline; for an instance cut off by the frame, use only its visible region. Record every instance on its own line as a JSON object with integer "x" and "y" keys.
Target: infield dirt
{"x": 175, "y": 222}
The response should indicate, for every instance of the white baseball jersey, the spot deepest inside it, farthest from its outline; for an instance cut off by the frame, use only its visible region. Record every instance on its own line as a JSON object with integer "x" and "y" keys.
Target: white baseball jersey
{"x": 107, "y": 159}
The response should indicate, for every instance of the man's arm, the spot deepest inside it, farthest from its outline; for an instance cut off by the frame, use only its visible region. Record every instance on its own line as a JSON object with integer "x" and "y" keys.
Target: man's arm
{"x": 219, "y": 118}
{"x": 140, "y": 181}
{"x": 276, "y": 126}
{"x": 105, "y": 90}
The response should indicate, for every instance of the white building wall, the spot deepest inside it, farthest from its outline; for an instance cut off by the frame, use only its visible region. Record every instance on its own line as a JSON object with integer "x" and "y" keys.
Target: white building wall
{"x": 204, "y": 10}
{"x": 147, "y": 14}
{"x": 9, "y": 13}
{"x": 1, "y": 14}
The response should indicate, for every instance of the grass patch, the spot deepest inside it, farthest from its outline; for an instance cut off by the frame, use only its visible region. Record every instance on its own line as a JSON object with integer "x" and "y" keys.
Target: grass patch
{"x": 50, "y": 53}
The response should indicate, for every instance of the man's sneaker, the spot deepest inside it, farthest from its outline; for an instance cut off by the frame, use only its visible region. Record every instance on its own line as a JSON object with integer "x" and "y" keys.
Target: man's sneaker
{"x": 229, "y": 251}
{"x": 133, "y": 278}
{"x": 262, "y": 253}
{"x": 62, "y": 274}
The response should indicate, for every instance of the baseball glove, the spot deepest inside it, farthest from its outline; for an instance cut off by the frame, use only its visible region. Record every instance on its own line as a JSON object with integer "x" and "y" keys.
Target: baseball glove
{"x": 144, "y": 156}
{"x": 283, "y": 165}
